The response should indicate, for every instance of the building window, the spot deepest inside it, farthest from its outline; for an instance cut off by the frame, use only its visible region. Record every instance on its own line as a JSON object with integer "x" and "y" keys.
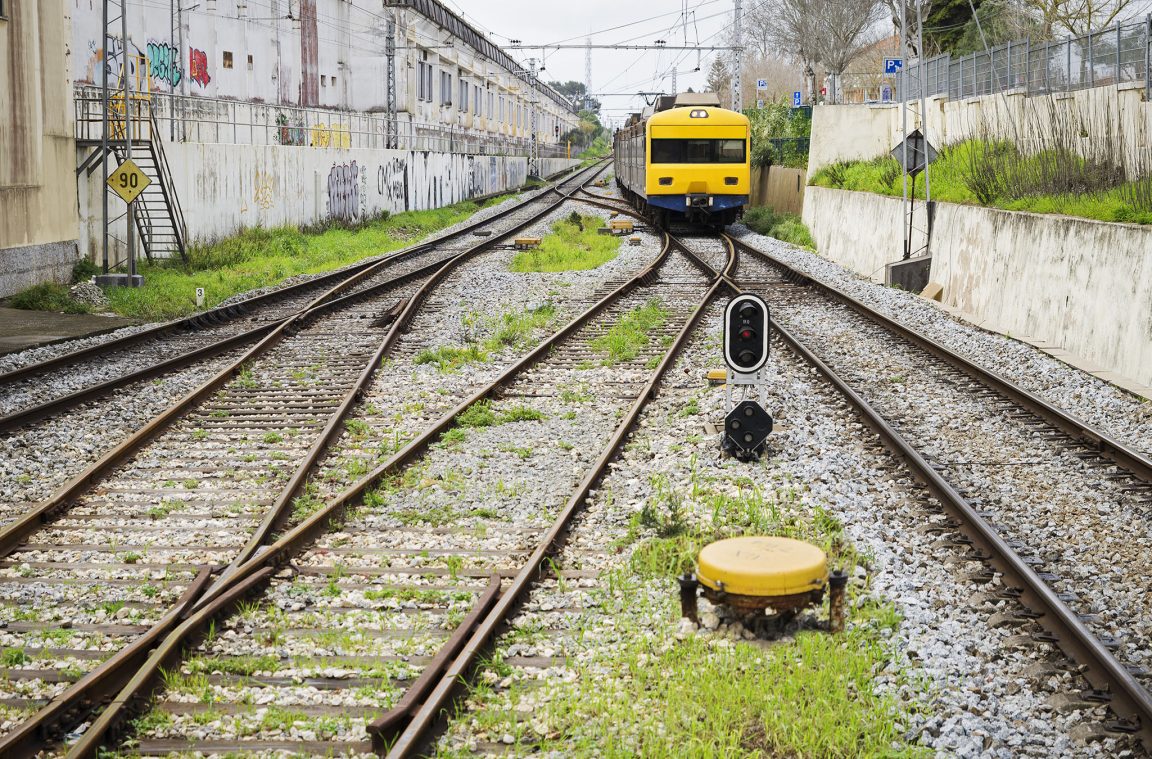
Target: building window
{"x": 423, "y": 80}
{"x": 477, "y": 100}
{"x": 323, "y": 80}
{"x": 249, "y": 61}
{"x": 227, "y": 59}
{"x": 445, "y": 88}
{"x": 463, "y": 104}
{"x": 2, "y": 10}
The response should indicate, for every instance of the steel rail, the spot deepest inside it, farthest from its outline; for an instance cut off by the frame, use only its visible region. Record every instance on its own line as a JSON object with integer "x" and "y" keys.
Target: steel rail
{"x": 1126, "y": 697}
{"x": 32, "y": 735}
{"x": 222, "y": 596}
{"x": 1136, "y": 462}
{"x": 346, "y": 277}
{"x": 438, "y": 272}
{"x": 15, "y": 531}
{"x": 416, "y": 733}
{"x": 224, "y": 589}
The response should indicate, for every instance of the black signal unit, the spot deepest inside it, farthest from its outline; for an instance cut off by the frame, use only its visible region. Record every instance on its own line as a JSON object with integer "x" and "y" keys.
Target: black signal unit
{"x": 746, "y": 333}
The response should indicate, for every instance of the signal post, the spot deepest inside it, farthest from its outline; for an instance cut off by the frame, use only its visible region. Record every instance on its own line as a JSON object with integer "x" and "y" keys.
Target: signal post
{"x": 747, "y": 423}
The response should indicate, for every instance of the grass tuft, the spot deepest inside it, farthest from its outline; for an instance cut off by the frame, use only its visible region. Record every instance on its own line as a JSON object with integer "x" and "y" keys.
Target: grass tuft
{"x": 783, "y": 226}
{"x": 574, "y": 244}
{"x": 624, "y": 341}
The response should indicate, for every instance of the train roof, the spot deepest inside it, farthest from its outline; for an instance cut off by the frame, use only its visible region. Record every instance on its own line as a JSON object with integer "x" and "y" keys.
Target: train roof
{"x": 715, "y": 117}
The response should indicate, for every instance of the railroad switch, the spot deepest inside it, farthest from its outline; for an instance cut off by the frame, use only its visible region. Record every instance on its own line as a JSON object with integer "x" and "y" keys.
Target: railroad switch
{"x": 764, "y": 581}
{"x": 526, "y": 243}
{"x": 621, "y": 226}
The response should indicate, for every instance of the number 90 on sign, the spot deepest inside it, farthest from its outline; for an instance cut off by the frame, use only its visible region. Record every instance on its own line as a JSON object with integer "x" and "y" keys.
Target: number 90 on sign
{"x": 128, "y": 181}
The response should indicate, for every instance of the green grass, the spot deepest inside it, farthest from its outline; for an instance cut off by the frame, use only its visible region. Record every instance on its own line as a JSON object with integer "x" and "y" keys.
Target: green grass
{"x": 955, "y": 180}
{"x": 48, "y": 296}
{"x": 812, "y": 694}
{"x": 256, "y": 258}
{"x": 783, "y": 226}
{"x": 508, "y": 330}
{"x": 624, "y": 341}
{"x": 574, "y": 244}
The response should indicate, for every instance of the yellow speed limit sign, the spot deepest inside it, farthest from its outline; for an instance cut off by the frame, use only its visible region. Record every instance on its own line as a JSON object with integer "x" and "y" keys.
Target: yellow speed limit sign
{"x": 128, "y": 181}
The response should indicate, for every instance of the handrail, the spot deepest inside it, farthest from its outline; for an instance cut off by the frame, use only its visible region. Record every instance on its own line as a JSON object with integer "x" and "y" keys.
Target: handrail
{"x": 294, "y": 125}
{"x": 168, "y": 187}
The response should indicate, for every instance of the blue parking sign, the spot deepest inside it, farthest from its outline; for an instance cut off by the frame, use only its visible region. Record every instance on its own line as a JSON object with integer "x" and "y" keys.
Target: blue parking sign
{"x": 892, "y": 65}
{"x": 796, "y": 100}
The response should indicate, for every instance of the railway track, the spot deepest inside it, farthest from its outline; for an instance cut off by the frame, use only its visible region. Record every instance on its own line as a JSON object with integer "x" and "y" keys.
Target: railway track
{"x": 1083, "y": 490}
{"x": 42, "y": 389}
{"x": 1055, "y": 508}
{"x": 329, "y": 583}
{"x": 95, "y": 576}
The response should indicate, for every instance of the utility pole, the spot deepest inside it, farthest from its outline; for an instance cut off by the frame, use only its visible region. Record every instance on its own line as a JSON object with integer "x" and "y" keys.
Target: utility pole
{"x": 907, "y": 252}
{"x": 534, "y": 148}
{"x": 737, "y": 54}
{"x": 104, "y": 104}
{"x": 390, "y": 54}
{"x": 131, "y": 216}
{"x": 588, "y": 72}
{"x": 923, "y": 110}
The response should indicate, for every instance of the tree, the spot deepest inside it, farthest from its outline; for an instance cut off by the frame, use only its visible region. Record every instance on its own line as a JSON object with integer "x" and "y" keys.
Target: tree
{"x": 720, "y": 81}
{"x": 910, "y": 30}
{"x": 577, "y": 92}
{"x": 831, "y": 32}
{"x": 1076, "y": 17}
{"x": 844, "y": 31}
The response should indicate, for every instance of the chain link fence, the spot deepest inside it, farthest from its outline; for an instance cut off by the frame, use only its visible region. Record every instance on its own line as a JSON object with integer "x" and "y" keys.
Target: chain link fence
{"x": 1117, "y": 55}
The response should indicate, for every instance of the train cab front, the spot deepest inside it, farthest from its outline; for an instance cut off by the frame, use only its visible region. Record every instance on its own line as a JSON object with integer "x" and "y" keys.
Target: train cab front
{"x": 698, "y": 167}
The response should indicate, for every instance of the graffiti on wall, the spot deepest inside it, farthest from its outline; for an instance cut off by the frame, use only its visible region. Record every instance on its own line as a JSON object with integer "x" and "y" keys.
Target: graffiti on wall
{"x": 289, "y": 134}
{"x": 164, "y": 63}
{"x": 330, "y": 136}
{"x": 344, "y": 192}
{"x": 198, "y": 67}
{"x": 392, "y": 183}
{"x": 114, "y": 60}
{"x": 263, "y": 193}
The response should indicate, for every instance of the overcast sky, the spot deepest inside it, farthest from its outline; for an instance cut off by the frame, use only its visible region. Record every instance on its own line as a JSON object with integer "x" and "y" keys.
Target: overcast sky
{"x": 613, "y": 71}
{"x": 617, "y": 75}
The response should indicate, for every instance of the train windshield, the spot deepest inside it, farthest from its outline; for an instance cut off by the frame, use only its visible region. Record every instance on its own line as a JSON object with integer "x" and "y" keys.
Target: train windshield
{"x": 697, "y": 151}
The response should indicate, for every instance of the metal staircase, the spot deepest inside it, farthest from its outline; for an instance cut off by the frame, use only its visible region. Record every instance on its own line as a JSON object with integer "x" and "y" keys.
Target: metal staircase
{"x": 156, "y": 212}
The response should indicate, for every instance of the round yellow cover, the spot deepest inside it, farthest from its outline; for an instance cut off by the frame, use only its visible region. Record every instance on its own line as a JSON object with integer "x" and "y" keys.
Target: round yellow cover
{"x": 762, "y": 566}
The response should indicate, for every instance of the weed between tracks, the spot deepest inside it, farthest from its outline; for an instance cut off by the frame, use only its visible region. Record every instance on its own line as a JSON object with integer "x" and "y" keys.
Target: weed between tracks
{"x": 574, "y": 245}
{"x": 624, "y": 341}
{"x": 643, "y": 688}
{"x": 509, "y": 330}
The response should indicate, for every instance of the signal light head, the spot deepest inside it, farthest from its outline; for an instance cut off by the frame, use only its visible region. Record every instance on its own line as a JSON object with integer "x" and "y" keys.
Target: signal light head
{"x": 746, "y": 334}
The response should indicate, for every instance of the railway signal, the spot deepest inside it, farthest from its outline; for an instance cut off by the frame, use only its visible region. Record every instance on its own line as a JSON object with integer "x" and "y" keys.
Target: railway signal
{"x": 746, "y": 424}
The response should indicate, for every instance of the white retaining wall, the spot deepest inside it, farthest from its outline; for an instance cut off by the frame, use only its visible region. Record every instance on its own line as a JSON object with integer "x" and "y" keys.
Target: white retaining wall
{"x": 1085, "y": 286}
{"x": 226, "y": 188}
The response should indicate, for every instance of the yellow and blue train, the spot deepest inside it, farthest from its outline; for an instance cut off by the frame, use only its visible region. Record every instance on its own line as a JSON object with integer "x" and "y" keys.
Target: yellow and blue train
{"x": 686, "y": 162}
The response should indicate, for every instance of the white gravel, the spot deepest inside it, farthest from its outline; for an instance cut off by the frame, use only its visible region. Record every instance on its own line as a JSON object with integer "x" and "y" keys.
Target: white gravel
{"x": 1113, "y": 410}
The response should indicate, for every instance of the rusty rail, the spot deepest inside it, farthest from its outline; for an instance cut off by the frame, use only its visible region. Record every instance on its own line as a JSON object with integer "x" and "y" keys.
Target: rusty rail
{"x": 1124, "y": 695}
{"x": 91, "y": 690}
{"x": 344, "y": 279}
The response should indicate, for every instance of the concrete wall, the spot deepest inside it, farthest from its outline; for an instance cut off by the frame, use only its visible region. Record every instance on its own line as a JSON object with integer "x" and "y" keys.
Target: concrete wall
{"x": 853, "y": 132}
{"x": 226, "y": 188}
{"x": 37, "y": 149}
{"x": 1085, "y": 286}
{"x": 778, "y": 188}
